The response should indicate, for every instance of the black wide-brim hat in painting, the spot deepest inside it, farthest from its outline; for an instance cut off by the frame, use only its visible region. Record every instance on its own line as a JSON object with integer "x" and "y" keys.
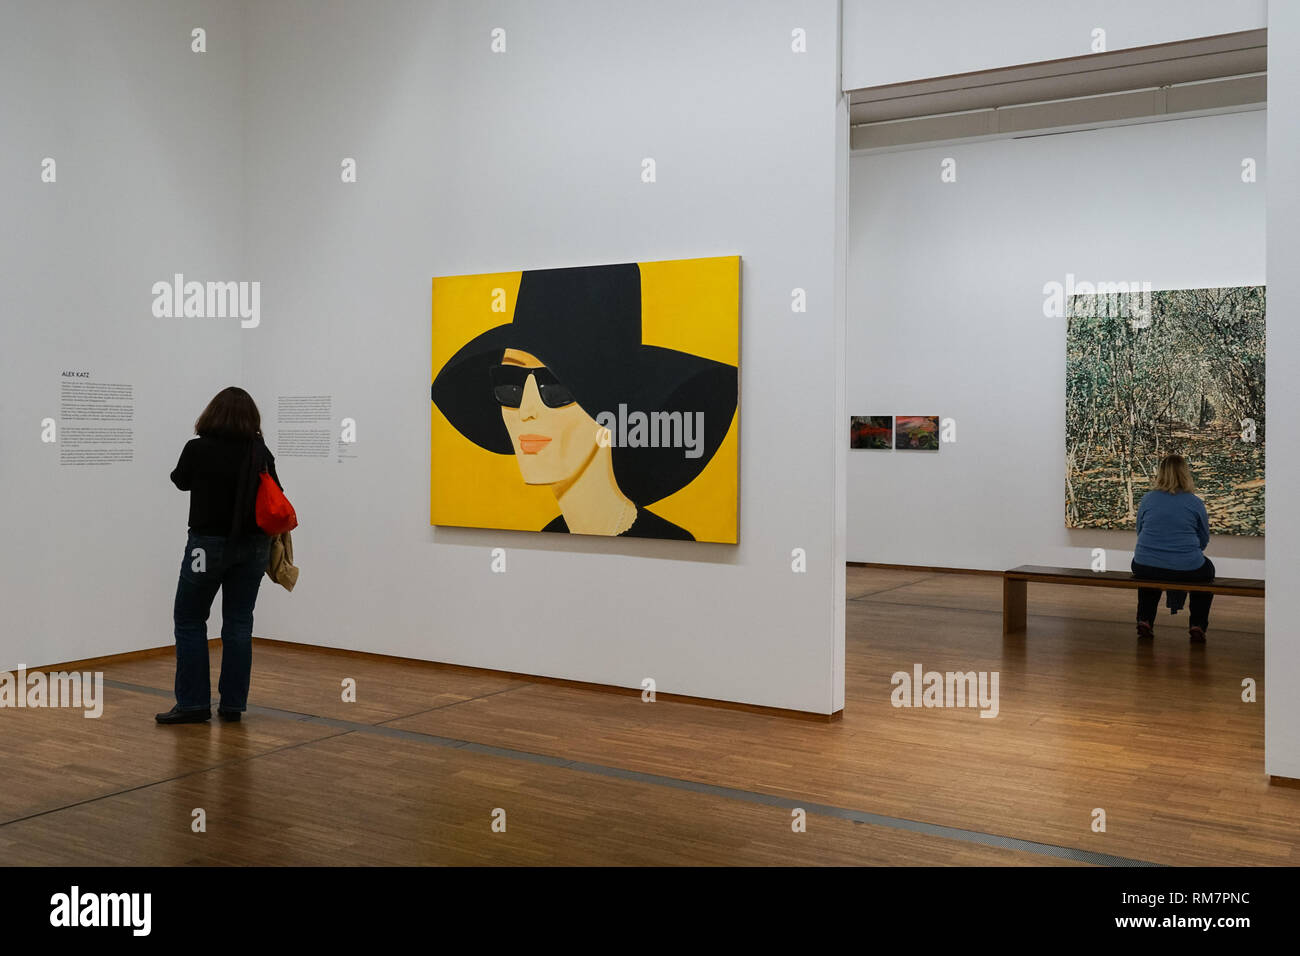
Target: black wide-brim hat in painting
{"x": 584, "y": 324}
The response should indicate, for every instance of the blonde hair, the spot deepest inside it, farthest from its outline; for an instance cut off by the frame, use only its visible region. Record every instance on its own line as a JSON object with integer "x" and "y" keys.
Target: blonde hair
{"x": 1173, "y": 476}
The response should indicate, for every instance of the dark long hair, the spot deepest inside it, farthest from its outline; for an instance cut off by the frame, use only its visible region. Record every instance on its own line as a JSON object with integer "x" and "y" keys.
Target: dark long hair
{"x": 232, "y": 413}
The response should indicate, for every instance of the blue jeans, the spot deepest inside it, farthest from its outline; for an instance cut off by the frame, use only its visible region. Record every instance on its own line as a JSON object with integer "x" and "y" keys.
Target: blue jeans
{"x": 235, "y": 566}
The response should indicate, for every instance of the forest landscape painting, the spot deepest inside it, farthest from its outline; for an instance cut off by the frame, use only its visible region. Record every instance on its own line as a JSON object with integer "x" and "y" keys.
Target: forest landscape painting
{"x": 1184, "y": 375}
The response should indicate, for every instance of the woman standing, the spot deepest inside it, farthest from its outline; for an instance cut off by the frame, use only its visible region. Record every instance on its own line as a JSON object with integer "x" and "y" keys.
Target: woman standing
{"x": 1172, "y": 533}
{"x": 225, "y": 551}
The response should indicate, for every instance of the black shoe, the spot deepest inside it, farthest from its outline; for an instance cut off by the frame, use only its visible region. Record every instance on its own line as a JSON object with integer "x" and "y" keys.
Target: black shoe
{"x": 178, "y": 716}
{"x": 1196, "y": 634}
{"x": 1145, "y": 633}
{"x": 229, "y": 716}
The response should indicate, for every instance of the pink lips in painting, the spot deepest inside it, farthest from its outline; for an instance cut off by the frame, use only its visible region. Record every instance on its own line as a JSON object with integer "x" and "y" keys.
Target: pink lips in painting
{"x": 532, "y": 444}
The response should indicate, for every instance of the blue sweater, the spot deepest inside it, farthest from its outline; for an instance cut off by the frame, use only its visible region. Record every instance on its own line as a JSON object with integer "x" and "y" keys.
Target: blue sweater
{"x": 1172, "y": 530}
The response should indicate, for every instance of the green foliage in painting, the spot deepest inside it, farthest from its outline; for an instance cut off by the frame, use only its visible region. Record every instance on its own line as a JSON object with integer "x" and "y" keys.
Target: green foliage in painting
{"x": 1185, "y": 375}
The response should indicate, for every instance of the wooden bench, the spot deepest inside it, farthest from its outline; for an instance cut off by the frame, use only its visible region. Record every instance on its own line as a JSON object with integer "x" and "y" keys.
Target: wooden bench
{"x": 1015, "y": 585}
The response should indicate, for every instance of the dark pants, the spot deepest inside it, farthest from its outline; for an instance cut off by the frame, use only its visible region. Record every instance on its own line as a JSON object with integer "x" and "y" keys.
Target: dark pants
{"x": 234, "y": 566}
{"x": 1149, "y": 598}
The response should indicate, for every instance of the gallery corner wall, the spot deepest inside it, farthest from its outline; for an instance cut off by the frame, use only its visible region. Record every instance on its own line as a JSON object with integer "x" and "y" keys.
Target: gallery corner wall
{"x": 120, "y": 166}
{"x": 946, "y": 317}
{"x": 481, "y": 151}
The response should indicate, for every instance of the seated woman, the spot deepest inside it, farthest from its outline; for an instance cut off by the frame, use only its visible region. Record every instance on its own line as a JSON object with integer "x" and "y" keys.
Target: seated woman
{"x": 1172, "y": 532}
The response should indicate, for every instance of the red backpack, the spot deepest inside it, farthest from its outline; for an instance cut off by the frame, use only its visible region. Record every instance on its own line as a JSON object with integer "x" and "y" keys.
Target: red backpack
{"x": 274, "y": 513}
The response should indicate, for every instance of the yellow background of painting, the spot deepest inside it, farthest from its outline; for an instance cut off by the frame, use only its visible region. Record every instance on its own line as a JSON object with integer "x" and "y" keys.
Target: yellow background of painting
{"x": 692, "y": 305}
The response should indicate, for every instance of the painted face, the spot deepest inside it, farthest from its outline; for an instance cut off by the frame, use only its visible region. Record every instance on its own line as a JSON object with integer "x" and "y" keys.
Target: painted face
{"x": 552, "y": 444}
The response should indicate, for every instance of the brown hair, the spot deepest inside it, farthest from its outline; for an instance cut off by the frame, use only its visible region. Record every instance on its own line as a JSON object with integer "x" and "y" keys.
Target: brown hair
{"x": 232, "y": 413}
{"x": 1173, "y": 475}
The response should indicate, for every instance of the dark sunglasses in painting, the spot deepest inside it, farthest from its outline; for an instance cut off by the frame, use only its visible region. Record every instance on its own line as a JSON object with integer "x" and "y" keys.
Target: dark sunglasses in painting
{"x": 508, "y": 383}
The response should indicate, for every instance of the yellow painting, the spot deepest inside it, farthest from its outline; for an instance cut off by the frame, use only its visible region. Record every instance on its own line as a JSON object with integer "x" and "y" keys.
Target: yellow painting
{"x": 589, "y": 400}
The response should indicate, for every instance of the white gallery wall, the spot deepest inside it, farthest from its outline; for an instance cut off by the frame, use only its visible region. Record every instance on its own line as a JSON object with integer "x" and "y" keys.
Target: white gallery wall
{"x": 1282, "y": 650}
{"x": 946, "y": 318}
{"x": 894, "y": 41}
{"x": 473, "y": 161}
{"x": 145, "y": 136}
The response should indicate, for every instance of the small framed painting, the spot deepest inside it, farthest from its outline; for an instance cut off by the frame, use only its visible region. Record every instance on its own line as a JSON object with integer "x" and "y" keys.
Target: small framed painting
{"x": 917, "y": 433}
{"x": 871, "y": 431}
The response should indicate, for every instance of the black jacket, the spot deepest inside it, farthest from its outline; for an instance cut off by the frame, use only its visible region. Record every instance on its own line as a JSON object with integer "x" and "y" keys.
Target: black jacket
{"x": 221, "y": 475}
